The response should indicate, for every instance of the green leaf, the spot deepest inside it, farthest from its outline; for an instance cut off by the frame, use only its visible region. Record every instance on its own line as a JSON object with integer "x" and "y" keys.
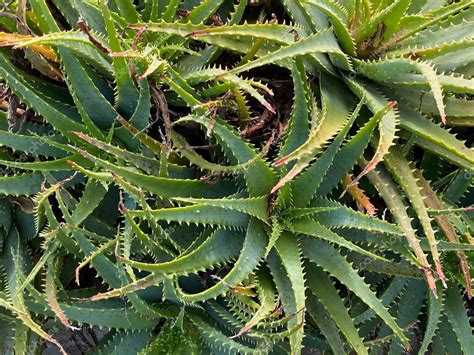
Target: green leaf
{"x": 93, "y": 195}
{"x": 127, "y": 10}
{"x": 326, "y": 324}
{"x": 220, "y": 247}
{"x": 327, "y": 257}
{"x": 298, "y": 127}
{"x": 25, "y": 184}
{"x": 307, "y": 226}
{"x": 172, "y": 340}
{"x": 51, "y": 165}
{"x": 267, "y": 295}
{"x": 202, "y": 11}
{"x": 259, "y": 177}
{"x": 163, "y": 187}
{"x": 414, "y": 24}
{"x": 250, "y": 256}
{"x": 339, "y": 21}
{"x": 123, "y": 342}
{"x": 457, "y": 316}
{"x": 346, "y": 157}
{"x": 336, "y": 118}
{"x": 214, "y": 338}
{"x": 335, "y": 215}
{"x": 254, "y": 206}
{"x": 290, "y": 257}
{"x": 29, "y": 144}
{"x": 435, "y": 307}
{"x": 28, "y": 94}
{"x": 392, "y": 197}
{"x": 434, "y": 138}
{"x": 45, "y": 19}
{"x": 387, "y": 125}
{"x": 389, "y": 71}
{"x": 314, "y": 175}
{"x": 322, "y": 287}
{"x": 322, "y": 42}
{"x": 127, "y": 94}
{"x": 390, "y": 294}
{"x": 402, "y": 172}
{"x": 92, "y": 105}
{"x": 198, "y": 214}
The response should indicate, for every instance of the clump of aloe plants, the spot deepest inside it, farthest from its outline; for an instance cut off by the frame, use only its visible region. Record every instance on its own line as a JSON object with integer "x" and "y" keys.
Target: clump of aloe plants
{"x": 160, "y": 194}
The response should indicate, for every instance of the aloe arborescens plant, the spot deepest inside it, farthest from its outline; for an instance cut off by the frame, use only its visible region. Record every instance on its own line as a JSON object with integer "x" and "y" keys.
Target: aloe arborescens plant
{"x": 227, "y": 246}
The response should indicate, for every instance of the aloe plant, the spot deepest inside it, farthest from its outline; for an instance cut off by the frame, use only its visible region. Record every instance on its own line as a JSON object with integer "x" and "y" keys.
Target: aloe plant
{"x": 131, "y": 202}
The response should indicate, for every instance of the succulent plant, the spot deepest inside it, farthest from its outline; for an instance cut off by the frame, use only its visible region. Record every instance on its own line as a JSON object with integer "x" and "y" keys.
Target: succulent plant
{"x": 132, "y": 201}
